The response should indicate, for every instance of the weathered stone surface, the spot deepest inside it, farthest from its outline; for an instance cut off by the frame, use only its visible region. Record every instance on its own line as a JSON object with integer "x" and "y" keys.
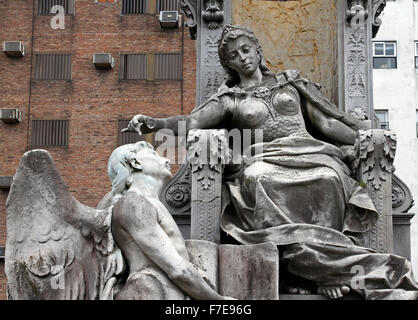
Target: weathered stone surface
{"x": 402, "y": 234}
{"x": 295, "y": 35}
{"x": 206, "y": 155}
{"x": 204, "y": 255}
{"x": 249, "y": 272}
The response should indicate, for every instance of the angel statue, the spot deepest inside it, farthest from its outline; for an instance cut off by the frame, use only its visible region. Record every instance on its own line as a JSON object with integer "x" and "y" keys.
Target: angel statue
{"x": 295, "y": 189}
{"x": 57, "y": 248}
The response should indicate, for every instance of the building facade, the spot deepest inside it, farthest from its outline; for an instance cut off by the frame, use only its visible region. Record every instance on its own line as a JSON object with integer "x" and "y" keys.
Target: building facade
{"x": 395, "y": 78}
{"x": 75, "y": 109}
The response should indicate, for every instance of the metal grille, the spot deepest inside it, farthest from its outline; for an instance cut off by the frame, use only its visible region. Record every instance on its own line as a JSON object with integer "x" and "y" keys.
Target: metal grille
{"x": 44, "y": 6}
{"x": 168, "y": 66}
{"x": 134, "y": 6}
{"x": 53, "y": 66}
{"x": 131, "y": 137}
{"x": 167, "y": 5}
{"x": 50, "y": 133}
{"x": 133, "y": 66}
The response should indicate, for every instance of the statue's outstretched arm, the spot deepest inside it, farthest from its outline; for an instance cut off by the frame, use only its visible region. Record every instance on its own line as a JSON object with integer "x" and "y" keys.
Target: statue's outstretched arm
{"x": 142, "y": 225}
{"x": 212, "y": 115}
{"x": 330, "y": 127}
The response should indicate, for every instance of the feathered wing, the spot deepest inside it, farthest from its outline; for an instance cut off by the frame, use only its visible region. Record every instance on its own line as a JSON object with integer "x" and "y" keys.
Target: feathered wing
{"x": 57, "y": 248}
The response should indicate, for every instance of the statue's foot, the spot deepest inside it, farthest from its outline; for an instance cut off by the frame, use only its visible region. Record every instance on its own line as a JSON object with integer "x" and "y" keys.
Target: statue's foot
{"x": 297, "y": 290}
{"x": 333, "y": 292}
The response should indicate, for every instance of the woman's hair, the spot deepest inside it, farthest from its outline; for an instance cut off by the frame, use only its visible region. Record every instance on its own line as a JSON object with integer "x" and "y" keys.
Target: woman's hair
{"x": 234, "y": 32}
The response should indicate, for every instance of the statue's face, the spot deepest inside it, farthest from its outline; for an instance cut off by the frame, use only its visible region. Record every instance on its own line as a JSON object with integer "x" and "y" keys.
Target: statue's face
{"x": 242, "y": 56}
{"x": 152, "y": 164}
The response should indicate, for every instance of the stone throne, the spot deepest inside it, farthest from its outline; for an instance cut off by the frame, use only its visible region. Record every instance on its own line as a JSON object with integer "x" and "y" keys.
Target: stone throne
{"x": 194, "y": 194}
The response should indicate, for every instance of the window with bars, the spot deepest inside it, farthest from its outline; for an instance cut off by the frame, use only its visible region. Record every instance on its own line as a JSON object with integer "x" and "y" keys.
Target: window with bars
{"x": 160, "y": 66}
{"x": 52, "y": 66}
{"x": 134, "y": 6}
{"x": 148, "y": 6}
{"x": 383, "y": 117}
{"x": 49, "y": 133}
{"x": 45, "y": 6}
{"x": 167, "y": 5}
{"x": 168, "y": 66}
{"x": 384, "y": 55}
{"x": 133, "y": 66}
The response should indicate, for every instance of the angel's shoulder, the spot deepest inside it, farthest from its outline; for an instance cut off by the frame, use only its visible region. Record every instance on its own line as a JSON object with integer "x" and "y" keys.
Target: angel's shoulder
{"x": 133, "y": 209}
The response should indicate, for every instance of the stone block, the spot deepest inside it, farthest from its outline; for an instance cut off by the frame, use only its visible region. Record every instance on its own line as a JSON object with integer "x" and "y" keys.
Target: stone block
{"x": 249, "y": 272}
{"x": 204, "y": 254}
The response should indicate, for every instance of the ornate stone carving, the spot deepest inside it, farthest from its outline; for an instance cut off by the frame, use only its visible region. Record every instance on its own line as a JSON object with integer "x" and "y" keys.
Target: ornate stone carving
{"x": 214, "y": 76}
{"x": 205, "y": 163}
{"x": 378, "y": 7}
{"x": 212, "y": 13}
{"x": 356, "y": 58}
{"x": 189, "y": 7}
{"x": 402, "y": 199}
{"x": 376, "y": 150}
{"x": 176, "y": 194}
{"x": 207, "y": 153}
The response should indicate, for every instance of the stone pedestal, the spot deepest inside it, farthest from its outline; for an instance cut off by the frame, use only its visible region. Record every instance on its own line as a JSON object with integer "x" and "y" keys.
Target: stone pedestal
{"x": 376, "y": 150}
{"x": 402, "y": 234}
{"x": 249, "y": 272}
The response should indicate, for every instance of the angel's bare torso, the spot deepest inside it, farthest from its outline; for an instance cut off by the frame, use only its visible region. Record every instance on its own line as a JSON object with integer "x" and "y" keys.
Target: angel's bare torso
{"x": 133, "y": 209}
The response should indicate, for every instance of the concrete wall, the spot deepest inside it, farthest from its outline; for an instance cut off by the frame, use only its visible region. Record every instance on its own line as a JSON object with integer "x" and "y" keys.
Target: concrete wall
{"x": 296, "y": 35}
{"x": 397, "y": 91}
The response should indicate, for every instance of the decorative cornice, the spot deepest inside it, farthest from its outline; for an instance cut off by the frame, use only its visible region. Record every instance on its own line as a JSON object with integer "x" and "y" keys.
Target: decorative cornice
{"x": 378, "y": 7}
{"x": 213, "y": 14}
{"x": 189, "y": 8}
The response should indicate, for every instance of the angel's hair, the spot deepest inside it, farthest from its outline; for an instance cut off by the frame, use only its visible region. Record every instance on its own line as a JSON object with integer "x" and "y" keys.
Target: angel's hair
{"x": 119, "y": 167}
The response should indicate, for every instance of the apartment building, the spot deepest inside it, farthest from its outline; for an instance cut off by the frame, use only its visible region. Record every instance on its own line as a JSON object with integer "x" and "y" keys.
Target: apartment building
{"x": 395, "y": 77}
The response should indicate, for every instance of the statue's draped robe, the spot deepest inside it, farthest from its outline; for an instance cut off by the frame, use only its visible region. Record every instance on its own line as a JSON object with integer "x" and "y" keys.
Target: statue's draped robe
{"x": 297, "y": 192}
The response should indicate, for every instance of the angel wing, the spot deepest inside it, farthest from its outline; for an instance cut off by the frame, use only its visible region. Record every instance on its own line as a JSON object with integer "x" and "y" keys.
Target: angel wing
{"x": 57, "y": 248}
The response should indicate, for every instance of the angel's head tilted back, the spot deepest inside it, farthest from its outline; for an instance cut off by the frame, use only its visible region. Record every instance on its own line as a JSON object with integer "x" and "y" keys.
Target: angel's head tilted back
{"x": 136, "y": 159}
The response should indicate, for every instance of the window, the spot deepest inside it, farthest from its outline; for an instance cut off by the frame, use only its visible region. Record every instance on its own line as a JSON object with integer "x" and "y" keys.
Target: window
{"x": 134, "y": 6}
{"x": 384, "y": 55}
{"x": 167, "y": 5}
{"x": 416, "y": 120}
{"x": 44, "y": 6}
{"x": 168, "y": 66}
{"x": 416, "y": 54}
{"x": 132, "y": 137}
{"x": 382, "y": 115}
{"x": 133, "y": 66}
{"x": 49, "y": 133}
{"x": 52, "y": 66}
{"x": 161, "y": 66}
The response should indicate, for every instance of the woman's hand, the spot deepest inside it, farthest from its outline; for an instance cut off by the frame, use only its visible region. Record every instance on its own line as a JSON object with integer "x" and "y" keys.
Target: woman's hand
{"x": 141, "y": 124}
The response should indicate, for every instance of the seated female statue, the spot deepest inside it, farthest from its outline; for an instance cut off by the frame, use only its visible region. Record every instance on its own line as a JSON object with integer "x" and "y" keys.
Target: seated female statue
{"x": 295, "y": 190}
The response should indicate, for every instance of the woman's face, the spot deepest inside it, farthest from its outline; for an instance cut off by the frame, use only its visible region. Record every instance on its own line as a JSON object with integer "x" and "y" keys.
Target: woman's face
{"x": 242, "y": 56}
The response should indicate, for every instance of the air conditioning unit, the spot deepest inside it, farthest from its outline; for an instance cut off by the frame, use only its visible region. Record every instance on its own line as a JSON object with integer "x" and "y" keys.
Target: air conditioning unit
{"x": 169, "y": 19}
{"x": 103, "y": 60}
{"x": 11, "y": 115}
{"x": 14, "y": 48}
